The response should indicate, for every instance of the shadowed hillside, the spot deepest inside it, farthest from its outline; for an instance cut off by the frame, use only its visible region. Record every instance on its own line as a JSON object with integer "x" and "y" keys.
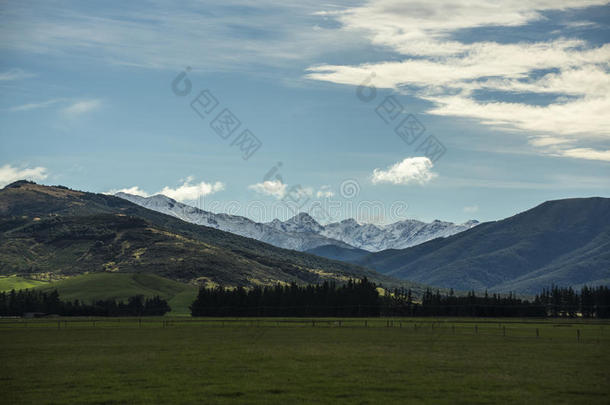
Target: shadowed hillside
{"x": 564, "y": 242}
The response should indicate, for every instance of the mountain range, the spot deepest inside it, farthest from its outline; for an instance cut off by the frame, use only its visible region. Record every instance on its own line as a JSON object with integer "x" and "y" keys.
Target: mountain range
{"x": 53, "y": 232}
{"x": 304, "y": 233}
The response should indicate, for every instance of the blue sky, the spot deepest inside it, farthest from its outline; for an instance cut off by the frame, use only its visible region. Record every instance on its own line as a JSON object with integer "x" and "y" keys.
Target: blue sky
{"x": 516, "y": 98}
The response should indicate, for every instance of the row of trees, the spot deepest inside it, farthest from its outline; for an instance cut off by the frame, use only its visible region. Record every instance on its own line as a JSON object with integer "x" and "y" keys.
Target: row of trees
{"x": 17, "y": 303}
{"x": 437, "y": 304}
{"x": 590, "y": 302}
{"x": 354, "y": 298}
{"x": 361, "y": 298}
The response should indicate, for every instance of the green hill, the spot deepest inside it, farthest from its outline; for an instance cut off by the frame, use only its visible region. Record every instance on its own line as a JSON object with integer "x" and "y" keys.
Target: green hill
{"x": 121, "y": 286}
{"x": 563, "y": 242}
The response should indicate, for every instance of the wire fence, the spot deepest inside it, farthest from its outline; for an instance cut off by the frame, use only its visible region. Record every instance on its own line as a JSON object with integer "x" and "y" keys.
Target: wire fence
{"x": 579, "y": 331}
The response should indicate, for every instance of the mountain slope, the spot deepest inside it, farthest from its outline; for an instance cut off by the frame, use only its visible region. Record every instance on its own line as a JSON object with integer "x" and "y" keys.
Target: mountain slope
{"x": 303, "y": 233}
{"x": 351, "y": 255}
{"x": 565, "y": 242}
{"x": 54, "y": 232}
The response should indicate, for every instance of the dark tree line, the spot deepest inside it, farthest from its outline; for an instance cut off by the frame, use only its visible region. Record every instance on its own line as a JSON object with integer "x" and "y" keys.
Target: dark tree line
{"x": 361, "y": 298}
{"x": 17, "y": 303}
{"x": 590, "y": 302}
{"x": 354, "y": 298}
{"x": 437, "y": 304}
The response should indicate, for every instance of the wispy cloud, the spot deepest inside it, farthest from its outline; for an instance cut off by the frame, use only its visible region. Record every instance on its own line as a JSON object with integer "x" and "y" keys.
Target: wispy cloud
{"x": 587, "y": 153}
{"x": 160, "y": 35}
{"x": 15, "y": 74}
{"x": 450, "y": 73}
{"x": 273, "y": 188}
{"x": 411, "y": 170}
{"x": 471, "y": 209}
{"x": 81, "y": 107}
{"x": 35, "y": 106}
{"x": 9, "y": 174}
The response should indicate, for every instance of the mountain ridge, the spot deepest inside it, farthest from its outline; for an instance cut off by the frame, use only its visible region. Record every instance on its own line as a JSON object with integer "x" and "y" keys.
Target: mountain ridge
{"x": 303, "y": 233}
{"x": 53, "y": 231}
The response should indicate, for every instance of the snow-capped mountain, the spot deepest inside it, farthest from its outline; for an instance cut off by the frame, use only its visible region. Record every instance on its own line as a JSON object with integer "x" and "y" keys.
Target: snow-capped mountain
{"x": 295, "y": 234}
{"x": 302, "y": 232}
{"x": 398, "y": 235}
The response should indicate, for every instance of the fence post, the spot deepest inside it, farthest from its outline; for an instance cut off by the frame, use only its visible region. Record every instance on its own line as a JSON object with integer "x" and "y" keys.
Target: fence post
{"x": 366, "y": 323}
{"x": 313, "y": 324}
{"x": 503, "y": 330}
{"x": 537, "y": 333}
{"x": 578, "y": 335}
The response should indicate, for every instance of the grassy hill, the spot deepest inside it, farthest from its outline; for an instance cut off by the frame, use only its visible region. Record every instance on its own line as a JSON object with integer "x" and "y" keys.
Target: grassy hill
{"x": 54, "y": 232}
{"x": 121, "y": 286}
{"x": 563, "y": 242}
{"x": 117, "y": 286}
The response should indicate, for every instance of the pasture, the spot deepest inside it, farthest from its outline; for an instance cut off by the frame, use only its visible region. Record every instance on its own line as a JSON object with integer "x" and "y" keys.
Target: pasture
{"x": 217, "y": 361}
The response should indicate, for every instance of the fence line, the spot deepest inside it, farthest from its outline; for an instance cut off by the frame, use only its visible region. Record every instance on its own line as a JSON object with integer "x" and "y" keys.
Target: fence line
{"x": 455, "y": 327}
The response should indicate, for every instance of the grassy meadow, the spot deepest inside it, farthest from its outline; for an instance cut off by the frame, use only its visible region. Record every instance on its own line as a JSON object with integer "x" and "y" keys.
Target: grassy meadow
{"x": 217, "y": 361}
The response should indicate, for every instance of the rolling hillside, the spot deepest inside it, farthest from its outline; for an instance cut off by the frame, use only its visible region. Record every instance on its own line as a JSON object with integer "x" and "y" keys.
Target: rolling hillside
{"x": 54, "y": 232}
{"x": 563, "y": 242}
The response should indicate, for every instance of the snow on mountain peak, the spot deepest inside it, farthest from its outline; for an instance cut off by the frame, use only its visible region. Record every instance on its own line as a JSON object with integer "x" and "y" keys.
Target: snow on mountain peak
{"x": 302, "y": 232}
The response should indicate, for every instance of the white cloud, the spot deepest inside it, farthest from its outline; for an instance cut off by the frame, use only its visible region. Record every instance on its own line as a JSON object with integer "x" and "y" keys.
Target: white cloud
{"x": 160, "y": 35}
{"x": 135, "y": 190}
{"x": 410, "y": 170}
{"x": 325, "y": 192}
{"x": 270, "y": 187}
{"x": 81, "y": 107}
{"x": 15, "y": 74}
{"x": 9, "y": 174}
{"x": 448, "y": 72}
{"x": 587, "y": 153}
{"x": 189, "y": 192}
{"x": 471, "y": 209}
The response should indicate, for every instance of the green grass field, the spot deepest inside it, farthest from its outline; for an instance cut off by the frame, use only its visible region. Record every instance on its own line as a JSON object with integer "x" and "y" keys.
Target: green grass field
{"x": 189, "y": 361}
